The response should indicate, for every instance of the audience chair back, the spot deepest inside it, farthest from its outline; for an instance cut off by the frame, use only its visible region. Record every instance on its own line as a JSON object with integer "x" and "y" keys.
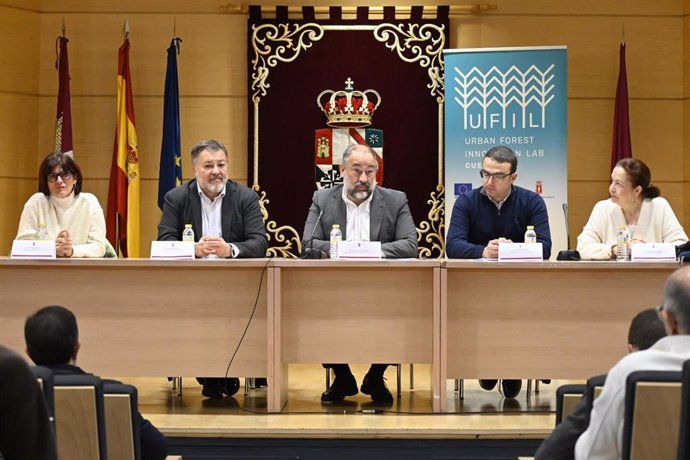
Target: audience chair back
{"x": 46, "y": 381}
{"x": 652, "y": 415}
{"x": 121, "y": 423}
{"x": 594, "y": 387}
{"x": 79, "y": 417}
{"x": 567, "y": 397}
{"x": 684, "y": 441}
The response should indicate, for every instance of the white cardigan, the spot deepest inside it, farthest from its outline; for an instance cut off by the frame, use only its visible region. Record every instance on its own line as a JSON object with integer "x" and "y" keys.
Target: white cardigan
{"x": 81, "y": 215}
{"x": 657, "y": 224}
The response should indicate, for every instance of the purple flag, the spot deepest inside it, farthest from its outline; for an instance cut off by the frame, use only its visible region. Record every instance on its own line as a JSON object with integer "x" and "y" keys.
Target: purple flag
{"x": 622, "y": 148}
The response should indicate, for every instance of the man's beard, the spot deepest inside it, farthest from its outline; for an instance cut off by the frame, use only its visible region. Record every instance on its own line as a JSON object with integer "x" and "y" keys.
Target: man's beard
{"x": 359, "y": 195}
{"x": 214, "y": 187}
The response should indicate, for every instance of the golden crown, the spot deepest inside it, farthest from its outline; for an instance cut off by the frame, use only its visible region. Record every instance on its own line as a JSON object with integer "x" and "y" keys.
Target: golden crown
{"x": 348, "y": 108}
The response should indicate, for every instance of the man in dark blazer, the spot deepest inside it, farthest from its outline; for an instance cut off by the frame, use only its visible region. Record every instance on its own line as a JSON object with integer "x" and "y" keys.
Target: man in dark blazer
{"x": 226, "y": 220}
{"x": 52, "y": 340}
{"x": 364, "y": 212}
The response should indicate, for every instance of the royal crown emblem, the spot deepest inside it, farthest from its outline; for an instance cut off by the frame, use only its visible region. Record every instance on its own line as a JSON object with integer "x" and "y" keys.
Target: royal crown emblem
{"x": 348, "y": 108}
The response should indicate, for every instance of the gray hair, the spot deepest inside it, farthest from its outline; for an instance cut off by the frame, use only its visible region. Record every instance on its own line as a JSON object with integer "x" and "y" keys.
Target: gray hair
{"x": 503, "y": 154}
{"x": 351, "y": 147}
{"x": 208, "y": 144}
{"x": 677, "y": 298}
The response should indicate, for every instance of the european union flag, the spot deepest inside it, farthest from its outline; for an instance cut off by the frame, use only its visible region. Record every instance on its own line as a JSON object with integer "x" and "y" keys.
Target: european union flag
{"x": 170, "y": 175}
{"x": 461, "y": 188}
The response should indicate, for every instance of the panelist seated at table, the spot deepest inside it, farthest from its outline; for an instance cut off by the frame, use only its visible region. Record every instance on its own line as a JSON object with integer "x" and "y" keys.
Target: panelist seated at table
{"x": 226, "y": 220}
{"x": 365, "y": 212}
{"x": 498, "y": 211}
{"x": 60, "y": 211}
{"x": 634, "y": 203}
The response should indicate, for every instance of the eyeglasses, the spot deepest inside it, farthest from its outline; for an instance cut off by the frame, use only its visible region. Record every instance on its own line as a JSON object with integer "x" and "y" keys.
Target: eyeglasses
{"x": 486, "y": 175}
{"x": 64, "y": 175}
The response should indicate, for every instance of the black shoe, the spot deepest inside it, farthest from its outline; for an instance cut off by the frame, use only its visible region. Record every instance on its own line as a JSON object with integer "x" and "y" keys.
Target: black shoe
{"x": 488, "y": 385}
{"x": 340, "y": 389}
{"x": 211, "y": 389}
{"x": 510, "y": 388}
{"x": 231, "y": 386}
{"x": 260, "y": 382}
{"x": 377, "y": 389}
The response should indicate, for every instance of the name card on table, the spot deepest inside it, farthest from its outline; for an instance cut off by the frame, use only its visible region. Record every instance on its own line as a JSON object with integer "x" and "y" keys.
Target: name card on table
{"x": 520, "y": 252}
{"x": 653, "y": 252}
{"x": 359, "y": 250}
{"x": 172, "y": 250}
{"x": 33, "y": 249}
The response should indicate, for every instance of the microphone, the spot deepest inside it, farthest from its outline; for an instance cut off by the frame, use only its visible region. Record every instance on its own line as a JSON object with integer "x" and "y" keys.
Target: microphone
{"x": 568, "y": 254}
{"x": 310, "y": 252}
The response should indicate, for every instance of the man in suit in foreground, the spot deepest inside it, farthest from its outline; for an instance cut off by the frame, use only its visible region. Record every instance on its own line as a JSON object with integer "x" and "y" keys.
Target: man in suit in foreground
{"x": 52, "y": 340}
{"x": 226, "y": 220}
{"x": 364, "y": 212}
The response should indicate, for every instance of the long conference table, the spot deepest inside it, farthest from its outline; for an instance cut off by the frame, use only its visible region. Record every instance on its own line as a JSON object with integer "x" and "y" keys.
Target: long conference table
{"x": 467, "y": 319}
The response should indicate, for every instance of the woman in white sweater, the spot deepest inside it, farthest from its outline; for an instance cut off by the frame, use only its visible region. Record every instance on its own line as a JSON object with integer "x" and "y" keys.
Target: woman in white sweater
{"x": 72, "y": 218}
{"x": 634, "y": 203}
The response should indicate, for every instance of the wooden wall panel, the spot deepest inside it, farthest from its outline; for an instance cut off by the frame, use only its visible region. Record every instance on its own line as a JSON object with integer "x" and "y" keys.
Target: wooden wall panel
{"x": 19, "y": 44}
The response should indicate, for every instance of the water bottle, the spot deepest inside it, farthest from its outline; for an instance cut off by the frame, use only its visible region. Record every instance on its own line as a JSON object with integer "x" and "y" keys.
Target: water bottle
{"x": 622, "y": 244}
{"x": 530, "y": 235}
{"x": 42, "y": 232}
{"x": 188, "y": 233}
{"x": 336, "y": 238}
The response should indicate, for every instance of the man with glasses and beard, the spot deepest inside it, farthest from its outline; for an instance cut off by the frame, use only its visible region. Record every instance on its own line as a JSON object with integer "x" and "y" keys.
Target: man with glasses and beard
{"x": 497, "y": 212}
{"x": 365, "y": 212}
{"x": 226, "y": 220}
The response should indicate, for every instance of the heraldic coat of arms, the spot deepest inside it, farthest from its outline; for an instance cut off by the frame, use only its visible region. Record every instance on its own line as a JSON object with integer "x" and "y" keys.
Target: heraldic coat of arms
{"x": 349, "y": 114}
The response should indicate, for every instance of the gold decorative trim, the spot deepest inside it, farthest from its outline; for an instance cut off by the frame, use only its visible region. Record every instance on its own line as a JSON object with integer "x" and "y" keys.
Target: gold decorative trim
{"x": 433, "y": 230}
{"x": 418, "y": 43}
{"x": 287, "y": 241}
{"x": 288, "y": 45}
{"x": 374, "y": 11}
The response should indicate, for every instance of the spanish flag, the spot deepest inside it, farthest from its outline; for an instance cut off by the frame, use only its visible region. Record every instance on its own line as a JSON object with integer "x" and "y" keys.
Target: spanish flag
{"x": 122, "y": 220}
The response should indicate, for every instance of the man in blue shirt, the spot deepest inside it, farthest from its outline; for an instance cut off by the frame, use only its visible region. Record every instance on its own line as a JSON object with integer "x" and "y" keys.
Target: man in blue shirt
{"x": 497, "y": 212}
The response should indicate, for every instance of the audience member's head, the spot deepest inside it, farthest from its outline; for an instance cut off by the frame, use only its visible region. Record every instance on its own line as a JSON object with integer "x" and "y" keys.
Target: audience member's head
{"x": 52, "y": 336}
{"x": 645, "y": 329}
{"x": 675, "y": 311}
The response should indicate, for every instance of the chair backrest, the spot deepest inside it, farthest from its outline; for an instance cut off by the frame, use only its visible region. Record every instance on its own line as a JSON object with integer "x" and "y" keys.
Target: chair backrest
{"x": 121, "y": 423}
{"x": 652, "y": 415}
{"x": 684, "y": 441}
{"x": 594, "y": 386}
{"x": 45, "y": 379}
{"x": 567, "y": 397}
{"x": 79, "y": 417}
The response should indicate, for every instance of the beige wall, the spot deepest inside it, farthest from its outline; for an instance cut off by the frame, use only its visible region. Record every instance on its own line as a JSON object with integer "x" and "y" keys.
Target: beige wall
{"x": 212, "y": 71}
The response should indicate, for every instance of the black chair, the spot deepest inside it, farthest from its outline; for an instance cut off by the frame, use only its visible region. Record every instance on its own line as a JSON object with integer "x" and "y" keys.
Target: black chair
{"x": 121, "y": 421}
{"x": 652, "y": 415}
{"x": 80, "y": 417}
{"x": 594, "y": 387}
{"x": 567, "y": 397}
{"x": 46, "y": 381}
{"x": 684, "y": 441}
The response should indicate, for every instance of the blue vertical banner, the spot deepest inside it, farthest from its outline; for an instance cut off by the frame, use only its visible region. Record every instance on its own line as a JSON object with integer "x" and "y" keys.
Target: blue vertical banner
{"x": 515, "y": 97}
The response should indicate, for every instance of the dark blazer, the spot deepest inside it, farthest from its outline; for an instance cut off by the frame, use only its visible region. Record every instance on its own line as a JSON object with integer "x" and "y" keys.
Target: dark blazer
{"x": 25, "y": 429}
{"x": 390, "y": 221}
{"x": 154, "y": 446}
{"x": 241, "y": 219}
